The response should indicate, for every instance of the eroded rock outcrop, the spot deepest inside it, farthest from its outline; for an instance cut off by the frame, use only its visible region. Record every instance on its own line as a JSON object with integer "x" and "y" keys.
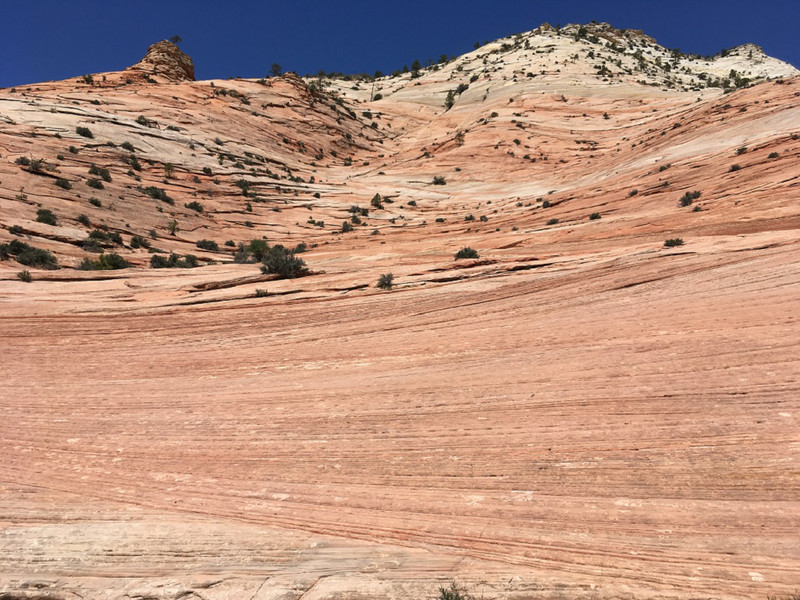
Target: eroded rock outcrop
{"x": 167, "y": 60}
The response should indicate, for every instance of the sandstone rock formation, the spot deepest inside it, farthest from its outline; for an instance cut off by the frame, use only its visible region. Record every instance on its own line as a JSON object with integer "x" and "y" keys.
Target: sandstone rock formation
{"x": 579, "y": 412}
{"x": 166, "y": 60}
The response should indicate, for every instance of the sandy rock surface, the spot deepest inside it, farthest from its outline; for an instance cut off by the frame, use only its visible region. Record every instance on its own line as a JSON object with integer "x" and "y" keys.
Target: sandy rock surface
{"x": 579, "y": 412}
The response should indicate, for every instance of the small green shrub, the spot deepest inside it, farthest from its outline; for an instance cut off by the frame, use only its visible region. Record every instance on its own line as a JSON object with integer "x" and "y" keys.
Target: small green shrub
{"x": 594, "y": 216}
{"x": 104, "y": 262}
{"x": 104, "y": 236}
{"x": 84, "y": 132}
{"x": 673, "y": 242}
{"x": 138, "y": 241}
{"x": 128, "y": 146}
{"x": 210, "y": 245}
{"x": 689, "y": 197}
{"x": 15, "y": 230}
{"x": 385, "y": 281}
{"x": 194, "y": 205}
{"x": 347, "y": 227}
{"x": 467, "y": 252}
{"x": 95, "y": 183}
{"x": 174, "y": 261}
{"x": 376, "y": 202}
{"x": 283, "y": 262}
{"x": 260, "y": 293}
{"x": 95, "y": 202}
{"x": 258, "y": 248}
{"x": 453, "y": 593}
{"x": 28, "y": 255}
{"x": 773, "y": 155}
{"x": 157, "y": 194}
{"x": 133, "y": 162}
{"x": 46, "y": 216}
{"x": 439, "y": 180}
{"x": 552, "y": 222}
{"x": 735, "y": 167}
{"x": 63, "y": 184}
{"x": 25, "y": 276}
{"x": 101, "y": 172}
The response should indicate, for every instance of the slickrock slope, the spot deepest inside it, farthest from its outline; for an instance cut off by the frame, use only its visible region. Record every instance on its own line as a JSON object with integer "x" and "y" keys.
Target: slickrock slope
{"x": 580, "y": 412}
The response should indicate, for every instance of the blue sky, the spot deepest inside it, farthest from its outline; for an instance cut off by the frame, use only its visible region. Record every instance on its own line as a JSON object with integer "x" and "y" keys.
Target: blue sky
{"x": 56, "y": 39}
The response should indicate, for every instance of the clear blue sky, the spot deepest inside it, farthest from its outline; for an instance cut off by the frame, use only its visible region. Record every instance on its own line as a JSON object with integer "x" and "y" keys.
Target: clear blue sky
{"x": 56, "y": 39}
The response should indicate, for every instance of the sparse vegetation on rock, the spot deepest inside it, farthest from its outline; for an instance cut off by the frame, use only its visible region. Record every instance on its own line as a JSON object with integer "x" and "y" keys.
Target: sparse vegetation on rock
{"x": 467, "y": 252}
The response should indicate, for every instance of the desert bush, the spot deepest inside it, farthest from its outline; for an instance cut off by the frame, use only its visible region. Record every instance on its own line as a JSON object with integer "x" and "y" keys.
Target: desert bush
{"x": 104, "y": 236}
{"x": 128, "y": 146}
{"x": 95, "y": 183}
{"x": 689, "y": 197}
{"x": 28, "y": 255}
{"x": 385, "y": 281}
{"x": 25, "y": 276}
{"x": 15, "y": 230}
{"x": 439, "y": 180}
{"x": 672, "y": 242}
{"x": 453, "y": 593}
{"x": 208, "y": 245}
{"x": 133, "y": 162}
{"x": 376, "y": 201}
{"x": 734, "y": 167}
{"x": 84, "y": 132}
{"x": 63, "y": 184}
{"x": 283, "y": 262}
{"x": 104, "y": 262}
{"x": 138, "y": 241}
{"x": 258, "y": 248}
{"x": 46, "y": 216}
{"x": 95, "y": 202}
{"x": 261, "y": 293}
{"x": 346, "y": 226}
{"x": 552, "y": 222}
{"x": 157, "y": 194}
{"x": 194, "y": 205}
{"x": 594, "y": 216}
{"x": 467, "y": 252}
{"x": 174, "y": 261}
{"x": 101, "y": 172}
{"x": 773, "y": 155}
